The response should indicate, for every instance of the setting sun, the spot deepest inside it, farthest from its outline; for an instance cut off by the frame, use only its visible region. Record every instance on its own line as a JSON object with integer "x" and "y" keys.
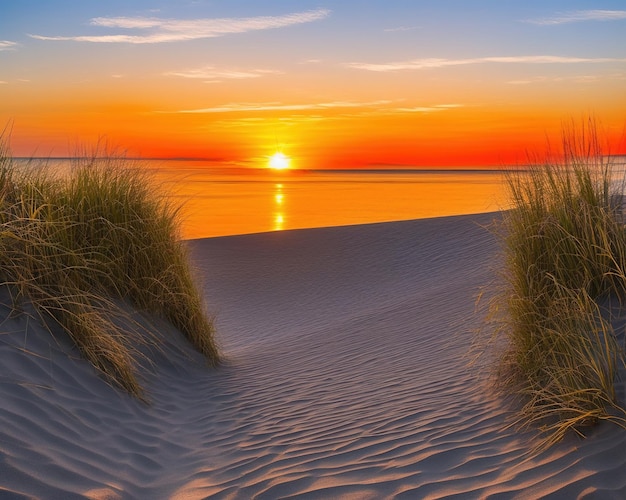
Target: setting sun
{"x": 278, "y": 161}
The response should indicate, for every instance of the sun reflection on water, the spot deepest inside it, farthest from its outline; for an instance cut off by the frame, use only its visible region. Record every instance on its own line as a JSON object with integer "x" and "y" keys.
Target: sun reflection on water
{"x": 279, "y": 222}
{"x": 279, "y": 217}
{"x": 279, "y": 197}
{"x": 223, "y": 202}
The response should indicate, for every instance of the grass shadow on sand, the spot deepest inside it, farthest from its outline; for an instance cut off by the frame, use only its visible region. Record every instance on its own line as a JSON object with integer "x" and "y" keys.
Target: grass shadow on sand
{"x": 75, "y": 245}
{"x": 564, "y": 248}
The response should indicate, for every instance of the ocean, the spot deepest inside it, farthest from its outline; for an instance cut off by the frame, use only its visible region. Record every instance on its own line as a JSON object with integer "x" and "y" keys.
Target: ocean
{"x": 218, "y": 200}
{"x": 228, "y": 201}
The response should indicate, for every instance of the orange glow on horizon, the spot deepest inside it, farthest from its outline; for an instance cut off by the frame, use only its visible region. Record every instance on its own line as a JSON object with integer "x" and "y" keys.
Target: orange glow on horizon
{"x": 386, "y": 135}
{"x": 388, "y": 100}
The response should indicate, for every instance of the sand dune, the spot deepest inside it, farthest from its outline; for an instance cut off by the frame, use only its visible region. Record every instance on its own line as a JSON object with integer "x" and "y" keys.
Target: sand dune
{"x": 347, "y": 377}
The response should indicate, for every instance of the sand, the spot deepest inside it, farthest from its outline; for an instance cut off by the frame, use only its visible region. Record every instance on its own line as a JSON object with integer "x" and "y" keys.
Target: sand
{"x": 348, "y": 376}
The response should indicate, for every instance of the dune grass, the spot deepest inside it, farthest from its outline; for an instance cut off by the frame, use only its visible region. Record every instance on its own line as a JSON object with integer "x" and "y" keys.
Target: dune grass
{"x": 75, "y": 245}
{"x": 565, "y": 251}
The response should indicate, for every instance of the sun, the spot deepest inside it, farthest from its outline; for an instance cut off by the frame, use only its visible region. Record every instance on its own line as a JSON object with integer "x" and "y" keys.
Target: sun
{"x": 278, "y": 161}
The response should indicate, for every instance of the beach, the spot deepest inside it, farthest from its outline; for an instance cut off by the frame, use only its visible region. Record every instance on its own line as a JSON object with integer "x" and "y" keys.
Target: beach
{"x": 350, "y": 373}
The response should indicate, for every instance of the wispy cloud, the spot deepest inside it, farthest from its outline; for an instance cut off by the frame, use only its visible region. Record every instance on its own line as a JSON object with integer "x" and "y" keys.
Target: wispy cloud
{"x": 416, "y": 64}
{"x": 578, "y": 16}
{"x": 277, "y": 106}
{"x": 177, "y": 30}
{"x": 575, "y": 79}
{"x": 212, "y": 73}
{"x": 401, "y": 28}
{"x": 7, "y": 45}
{"x": 350, "y": 108}
{"x": 428, "y": 109}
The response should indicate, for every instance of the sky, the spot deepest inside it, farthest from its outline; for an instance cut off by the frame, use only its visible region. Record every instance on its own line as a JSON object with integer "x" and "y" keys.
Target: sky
{"x": 331, "y": 84}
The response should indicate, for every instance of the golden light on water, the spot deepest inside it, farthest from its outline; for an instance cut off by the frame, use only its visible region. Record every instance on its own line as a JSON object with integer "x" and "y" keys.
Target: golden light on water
{"x": 279, "y": 217}
{"x": 279, "y": 222}
{"x": 227, "y": 202}
{"x": 279, "y": 197}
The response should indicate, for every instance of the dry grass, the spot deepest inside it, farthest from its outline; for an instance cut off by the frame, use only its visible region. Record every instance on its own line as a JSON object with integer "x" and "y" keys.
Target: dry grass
{"x": 73, "y": 245}
{"x": 565, "y": 248}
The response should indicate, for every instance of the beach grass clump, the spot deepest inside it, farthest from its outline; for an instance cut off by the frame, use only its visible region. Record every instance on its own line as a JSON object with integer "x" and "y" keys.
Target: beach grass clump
{"x": 565, "y": 251}
{"x": 76, "y": 245}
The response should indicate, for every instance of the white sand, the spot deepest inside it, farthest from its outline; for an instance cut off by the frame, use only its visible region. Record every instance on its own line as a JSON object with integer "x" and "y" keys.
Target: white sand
{"x": 348, "y": 377}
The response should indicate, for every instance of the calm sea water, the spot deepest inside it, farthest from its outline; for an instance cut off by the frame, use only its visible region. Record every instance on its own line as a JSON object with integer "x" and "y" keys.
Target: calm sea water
{"x": 221, "y": 201}
{"x": 225, "y": 201}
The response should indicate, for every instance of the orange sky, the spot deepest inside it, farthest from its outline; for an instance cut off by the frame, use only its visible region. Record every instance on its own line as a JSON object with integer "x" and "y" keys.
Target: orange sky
{"x": 330, "y": 90}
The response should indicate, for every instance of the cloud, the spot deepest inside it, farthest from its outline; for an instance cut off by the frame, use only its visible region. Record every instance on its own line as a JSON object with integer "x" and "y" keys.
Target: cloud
{"x": 401, "y": 28}
{"x": 580, "y": 16}
{"x": 212, "y": 74}
{"x": 7, "y": 45}
{"x": 428, "y": 109}
{"x": 176, "y": 30}
{"x": 428, "y": 63}
{"x": 369, "y": 107}
{"x": 276, "y": 106}
{"x": 576, "y": 79}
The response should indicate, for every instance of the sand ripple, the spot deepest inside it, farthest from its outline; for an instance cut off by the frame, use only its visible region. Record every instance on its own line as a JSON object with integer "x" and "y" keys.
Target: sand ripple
{"x": 348, "y": 377}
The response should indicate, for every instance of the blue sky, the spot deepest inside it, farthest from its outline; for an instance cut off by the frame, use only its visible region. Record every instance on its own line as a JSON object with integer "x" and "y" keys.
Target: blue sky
{"x": 219, "y": 57}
